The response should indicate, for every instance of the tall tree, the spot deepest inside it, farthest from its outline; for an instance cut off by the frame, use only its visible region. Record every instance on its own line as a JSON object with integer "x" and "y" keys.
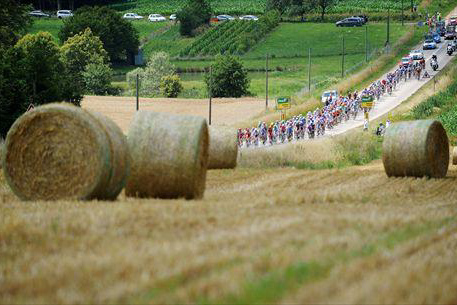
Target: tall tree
{"x": 14, "y": 21}
{"x": 120, "y": 39}
{"x": 324, "y": 6}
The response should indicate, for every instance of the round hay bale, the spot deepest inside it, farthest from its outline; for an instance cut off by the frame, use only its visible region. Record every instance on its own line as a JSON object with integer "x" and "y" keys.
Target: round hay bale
{"x": 2, "y": 145}
{"x": 169, "y": 156}
{"x": 60, "y": 151}
{"x": 454, "y": 156}
{"x": 223, "y": 149}
{"x": 416, "y": 149}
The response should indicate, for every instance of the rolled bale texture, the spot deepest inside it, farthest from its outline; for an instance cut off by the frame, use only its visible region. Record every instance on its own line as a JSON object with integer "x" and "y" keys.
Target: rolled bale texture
{"x": 416, "y": 149}
{"x": 454, "y": 156}
{"x": 223, "y": 149}
{"x": 2, "y": 145}
{"x": 60, "y": 151}
{"x": 169, "y": 156}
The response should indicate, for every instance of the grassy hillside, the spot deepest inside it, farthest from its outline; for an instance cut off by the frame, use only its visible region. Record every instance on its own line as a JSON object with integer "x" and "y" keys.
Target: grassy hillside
{"x": 238, "y": 7}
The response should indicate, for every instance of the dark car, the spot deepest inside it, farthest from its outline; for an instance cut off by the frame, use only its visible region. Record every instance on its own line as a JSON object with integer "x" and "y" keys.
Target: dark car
{"x": 441, "y": 30}
{"x": 363, "y": 17}
{"x": 353, "y": 21}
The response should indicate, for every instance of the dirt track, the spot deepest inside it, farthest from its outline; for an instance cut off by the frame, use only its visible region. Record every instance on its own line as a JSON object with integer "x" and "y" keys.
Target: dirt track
{"x": 225, "y": 111}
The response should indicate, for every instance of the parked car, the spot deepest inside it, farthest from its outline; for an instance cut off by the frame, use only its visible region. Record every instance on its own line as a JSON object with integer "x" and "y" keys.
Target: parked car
{"x": 349, "y": 22}
{"x": 156, "y": 18}
{"x": 452, "y": 20}
{"x": 362, "y": 19}
{"x": 224, "y": 17}
{"x": 132, "y": 16}
{"x": 416, "y": 54}
{"x": 38, "y": 14}
{"x": 327, "y": 94}
{"x": 429, "y": 43}
{"x": 249, "y": 17}
{"x": 64, "y": 14}
{"x": 406, "y": 61}
{"x": 173, "y": 17}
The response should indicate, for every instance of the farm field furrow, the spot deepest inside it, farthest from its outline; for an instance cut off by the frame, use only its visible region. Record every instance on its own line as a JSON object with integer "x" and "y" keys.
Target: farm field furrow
{"x": 265, "y": 235}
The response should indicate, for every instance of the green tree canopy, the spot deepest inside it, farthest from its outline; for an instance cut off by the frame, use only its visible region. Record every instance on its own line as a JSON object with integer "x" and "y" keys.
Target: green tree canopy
{"x": 120, "y": 39}
{"x": 195, "y": 14}
{"x": 228, "y": 77}
{"x": 14, "y": 20}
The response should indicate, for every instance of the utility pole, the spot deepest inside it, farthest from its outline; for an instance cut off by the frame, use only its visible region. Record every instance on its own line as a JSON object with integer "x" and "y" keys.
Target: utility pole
{"x": 388, "y": 27}
{"x": 342, "y": 61}
{"x": 266, "y": 83}
{"x": 366, "y": 43}
{"x": 402, "y": 14}
{"x": 137, "y": 95}
{"x": 210, "y": 91}
{"x": 309, "y": 70}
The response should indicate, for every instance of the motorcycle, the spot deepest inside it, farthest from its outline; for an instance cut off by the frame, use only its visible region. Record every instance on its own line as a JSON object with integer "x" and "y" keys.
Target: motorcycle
{"x": 434, "y": 65}
{"x": 450, "y": 50}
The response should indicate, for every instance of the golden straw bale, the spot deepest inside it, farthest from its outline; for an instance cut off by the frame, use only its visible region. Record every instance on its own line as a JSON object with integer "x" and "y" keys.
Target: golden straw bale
{"x": 169, "y": 156}
{"x": 223, "y": 149}
{"x": 2, "y": 145}
{"x": 416, "y": 149}
{"x": 60, "y": 151}
{"x": 454, "y": 156}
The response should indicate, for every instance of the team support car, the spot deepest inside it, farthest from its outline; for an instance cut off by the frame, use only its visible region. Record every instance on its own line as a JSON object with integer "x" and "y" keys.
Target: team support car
{"x": 156, "y": 18}
{"x": 436, "y": 37}
{"x": 132, "y": 16}
{"x": 326, "y": 95}
{"x": 406, "y": 61}
{"x": 249, "y": 17}
{"x": 64, "y": 14}
{"x": 452, "y": 20}
{"x": 450, "y": 32}
{"x": 429, "y": 43}
{"x": 416, "y": 54}
{"x": 38, "y": 14}
{"x": 350, "y": 22}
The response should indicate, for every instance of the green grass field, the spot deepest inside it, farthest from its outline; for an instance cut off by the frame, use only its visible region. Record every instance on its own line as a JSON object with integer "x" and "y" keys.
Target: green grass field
{"x": 53, "y": 26}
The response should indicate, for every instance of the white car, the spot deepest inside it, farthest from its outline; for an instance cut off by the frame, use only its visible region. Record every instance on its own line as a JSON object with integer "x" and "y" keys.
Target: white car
{"x": 224, "y": 17}
{"x": 173, "y": 17}
{"x": 429, "y": 44}
{"x": 156, "y": 18}
{"x": 249, "y": 17}
{"x": 416, "y": 54}
{"x": 132, "y": 16}
{"x": 38, "y": 14}
{"x": 64, "y": 14}
{"x": 327, "y": 94}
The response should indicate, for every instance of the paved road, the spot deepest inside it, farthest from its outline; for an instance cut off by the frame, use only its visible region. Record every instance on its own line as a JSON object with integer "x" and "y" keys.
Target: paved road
{"x": 403, "y": 91}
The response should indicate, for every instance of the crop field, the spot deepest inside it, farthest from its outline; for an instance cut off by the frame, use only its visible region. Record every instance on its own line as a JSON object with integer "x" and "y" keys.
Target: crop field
{"x": 239, "y": 7}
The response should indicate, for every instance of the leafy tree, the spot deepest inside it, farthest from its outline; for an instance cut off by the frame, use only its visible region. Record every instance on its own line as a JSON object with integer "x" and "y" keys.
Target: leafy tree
{"x": 228, "y": 79}
{"x": 14, "y": 20}
{"x": 301, "y": 7}
{"x": 279, "y": 5}
{"x": 43, "y": 67}
{"x": 77, "y": 53}
{"x": 170, "y": 85}
{"x": 195, "y": 14}
{"x": 97, "y": 78}
{"x": 120, "y": 39}
{"x": 324, "y": 6}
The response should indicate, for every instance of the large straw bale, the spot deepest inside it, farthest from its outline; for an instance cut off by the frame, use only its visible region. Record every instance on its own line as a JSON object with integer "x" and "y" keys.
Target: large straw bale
{"x": 2, "y": 145}
{"x": 223, "y": 149}
{"x": 60, "y": 151}
{"x": 454, "y": 156}
{"x": 169, "y": 156}
{"x": 416, "y": 149}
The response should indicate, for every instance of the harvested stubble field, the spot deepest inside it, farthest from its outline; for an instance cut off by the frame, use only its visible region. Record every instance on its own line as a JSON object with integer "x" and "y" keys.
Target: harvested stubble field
{"x": 225, "y": 111}
{"x": 267, "y": 235}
